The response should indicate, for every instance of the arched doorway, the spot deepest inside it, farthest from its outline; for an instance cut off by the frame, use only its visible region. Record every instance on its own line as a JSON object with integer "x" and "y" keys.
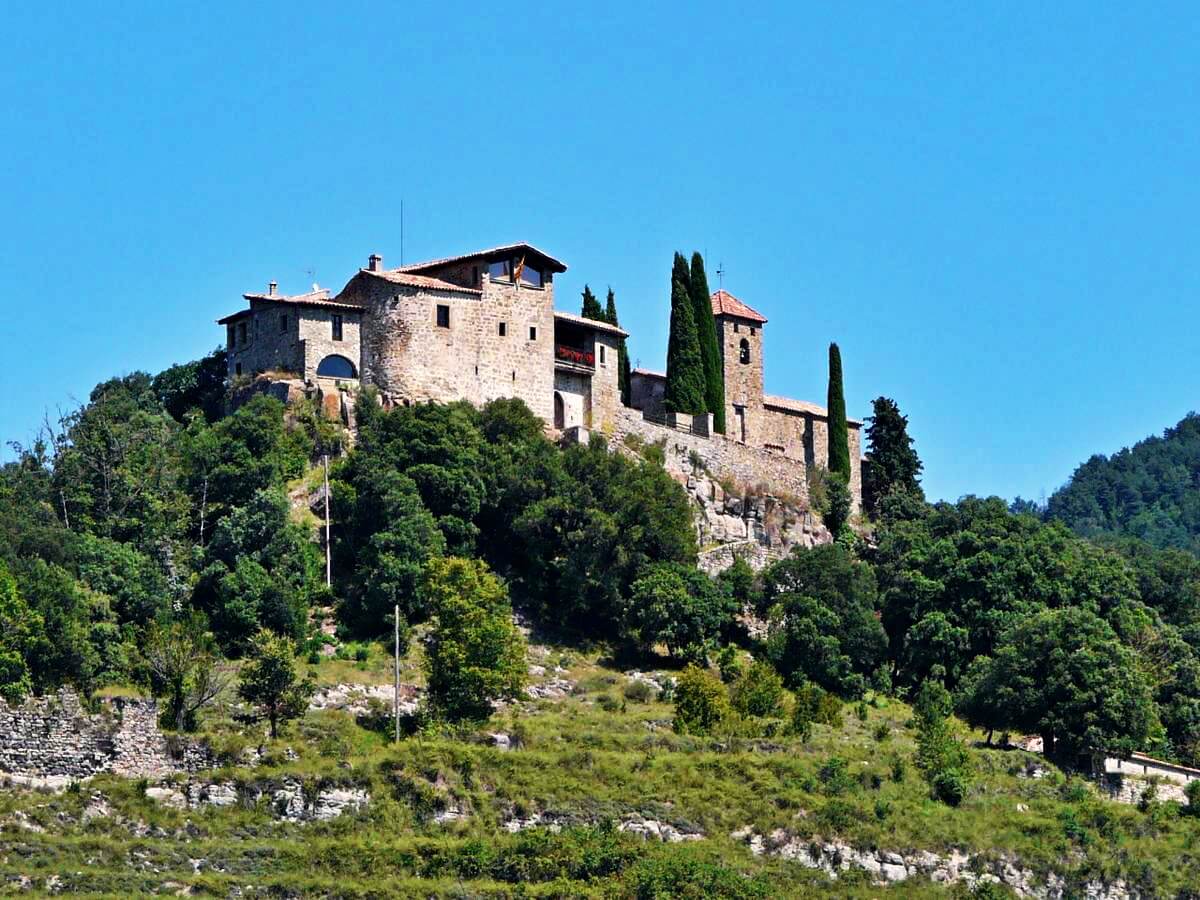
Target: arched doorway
{"x": 560, "y": 411}
{"x": 335, "y": 366}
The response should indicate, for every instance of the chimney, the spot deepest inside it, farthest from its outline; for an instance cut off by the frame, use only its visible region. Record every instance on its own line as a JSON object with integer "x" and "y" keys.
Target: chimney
{"x": 375, "y": 263}
{"x": 271, "y": 289}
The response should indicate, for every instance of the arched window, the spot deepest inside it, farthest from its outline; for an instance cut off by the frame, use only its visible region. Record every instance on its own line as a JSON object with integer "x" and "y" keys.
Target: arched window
{"x": 744, "y": 352}
{"x": 560, "y": 411}
{"x": 336, "y": 367}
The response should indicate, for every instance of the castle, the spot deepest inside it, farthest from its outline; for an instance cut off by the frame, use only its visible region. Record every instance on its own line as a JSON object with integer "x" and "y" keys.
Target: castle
{"x": 482, "y": 325}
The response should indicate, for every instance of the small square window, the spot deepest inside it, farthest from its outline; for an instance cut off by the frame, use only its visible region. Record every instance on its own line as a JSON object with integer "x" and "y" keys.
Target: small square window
{"x": 533, "y": 332}
{"x": 601, "y": 354}
{"x": 283, "y": 323}
{"x": 753, "y": 331}
{"x": 736, "y": 327}
{"x": 503, "y": 329}
{"x": 443, "y": 316}
{"x": 337, "y": 327}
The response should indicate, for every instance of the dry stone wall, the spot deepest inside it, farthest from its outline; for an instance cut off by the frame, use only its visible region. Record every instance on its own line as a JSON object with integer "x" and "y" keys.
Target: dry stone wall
{"x": 55, "y": 737}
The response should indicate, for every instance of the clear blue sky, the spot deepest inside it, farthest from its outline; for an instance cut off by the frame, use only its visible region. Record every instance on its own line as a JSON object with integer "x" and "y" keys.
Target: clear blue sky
{"x": 993, "y": 212}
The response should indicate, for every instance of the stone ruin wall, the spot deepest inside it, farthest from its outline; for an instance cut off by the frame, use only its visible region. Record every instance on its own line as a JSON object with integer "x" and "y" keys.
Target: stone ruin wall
{"x": 55, "y": 737}
{"x": 762, "y": 520}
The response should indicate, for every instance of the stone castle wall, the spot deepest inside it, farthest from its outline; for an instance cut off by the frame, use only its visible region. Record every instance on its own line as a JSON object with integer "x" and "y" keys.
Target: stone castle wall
{"x": 409, "y": 357}
{"x": 724, "y": 458}
{"x": 55, "y": 737}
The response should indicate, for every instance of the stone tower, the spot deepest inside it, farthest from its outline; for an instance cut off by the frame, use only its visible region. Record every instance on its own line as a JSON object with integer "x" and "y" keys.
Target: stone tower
{"x": 740, "y": 337}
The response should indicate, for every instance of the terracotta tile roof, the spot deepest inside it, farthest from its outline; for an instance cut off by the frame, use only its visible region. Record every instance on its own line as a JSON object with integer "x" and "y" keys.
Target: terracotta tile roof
{"x": 801, "y": 406}
{"x": 725, "y": 304}
{"x": 555, "y": 265}
{"x": 649, "y": 373}
{"x": 403, "y": 276}
{"x": 590, "y": 323}
{"x": 319, "y": 298}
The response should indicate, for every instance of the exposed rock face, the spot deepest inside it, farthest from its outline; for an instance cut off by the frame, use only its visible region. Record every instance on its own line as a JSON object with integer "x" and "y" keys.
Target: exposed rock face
{"x": 358, "y": 699}
{"x": 288, "y": 799}
{"x": 634, "y": 823}
{"x": 836, "y": 857}
{"x": 757, "y": 527}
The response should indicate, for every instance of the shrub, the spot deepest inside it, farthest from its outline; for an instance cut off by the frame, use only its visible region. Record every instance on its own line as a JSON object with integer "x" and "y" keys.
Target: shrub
{"x": 608, "y": 703}
{"x": 730, "y": 664}
{"x": 950, "y": 786}
{"x": 881, "y": 732}
{"x": 758, "y": 692}
{"x": 638, "y": 692}
{"x": 701, "y": 704}
{"x": 834, "y": 776}
{"x": 898, "y": 769}
{"x": 1192, "y": 791}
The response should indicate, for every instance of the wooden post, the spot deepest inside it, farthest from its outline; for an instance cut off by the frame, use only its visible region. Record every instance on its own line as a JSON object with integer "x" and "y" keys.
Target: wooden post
{"x": 328, "y": 549}
{"x": 396, "y": 693}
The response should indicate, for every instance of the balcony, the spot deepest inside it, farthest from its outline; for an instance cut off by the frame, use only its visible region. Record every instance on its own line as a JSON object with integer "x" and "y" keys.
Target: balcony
{"x": 576, "y": 358}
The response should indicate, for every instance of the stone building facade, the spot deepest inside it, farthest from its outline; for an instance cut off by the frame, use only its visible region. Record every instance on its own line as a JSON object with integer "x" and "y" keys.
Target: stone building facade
{"x": 474, "y": 327}
{"x": 482, "y": 325}
{"x": 793, "y": 431}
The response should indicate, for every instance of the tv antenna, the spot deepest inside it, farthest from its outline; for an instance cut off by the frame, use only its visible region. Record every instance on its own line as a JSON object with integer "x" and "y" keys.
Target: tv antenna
{"x": 721, "y": 275}
{"x": 401, "y": 231}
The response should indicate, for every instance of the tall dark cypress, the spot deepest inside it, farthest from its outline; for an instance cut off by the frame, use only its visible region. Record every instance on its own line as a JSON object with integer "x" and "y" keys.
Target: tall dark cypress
{"x": 710, "y": 351}
{"x": 839, "y": 440}
{"x": 610, "y": 316}
{"x": 685, "y": 369}
{"x": 591, "y": 306}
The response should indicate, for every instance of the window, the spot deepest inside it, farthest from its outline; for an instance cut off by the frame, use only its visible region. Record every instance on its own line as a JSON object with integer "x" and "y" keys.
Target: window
{"x": 531, "y": 275}
{"x": 753, "y": 331}
{"x": 242, "y": 333}
{"x": 443, "y": 316}
{"x": 503, "y": 329}
{"x": 736, "y": 327}
{"x": 283, "y": 323}
{"x": 744, "y": 352}
{"x": 474, "y": 275}
{"x": 230, "y": 334}
{"x": 500, "y": 270}
{"x": 533, "y": 332}
{"x": 601, "y": 354}
{"x": 337, "y": 327}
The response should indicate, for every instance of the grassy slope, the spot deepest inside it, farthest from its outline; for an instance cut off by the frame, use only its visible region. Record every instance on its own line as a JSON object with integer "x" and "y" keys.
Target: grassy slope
{"x": 585, "y": 764}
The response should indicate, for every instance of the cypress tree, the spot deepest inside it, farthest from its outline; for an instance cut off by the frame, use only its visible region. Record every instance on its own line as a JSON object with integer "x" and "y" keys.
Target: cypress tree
{"x": 591, "y": 306}
{"x": 839, "y": 440}
{"x": 685, "y": 369}
{"x": 710, "y": 351}
{"x": 610, "y": 316}
{"x": 892, "y": 463}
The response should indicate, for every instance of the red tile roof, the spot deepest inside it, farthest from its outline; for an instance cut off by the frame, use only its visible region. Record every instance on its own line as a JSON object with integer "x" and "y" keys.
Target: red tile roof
{"x": 590, "y": 323}
{"x": 318, "y": 297}
{"x": 403, "y": 276}
{"x": 555, "y": 265}
{"x": 725, "y": 304}
{"x": 801, "y": 406}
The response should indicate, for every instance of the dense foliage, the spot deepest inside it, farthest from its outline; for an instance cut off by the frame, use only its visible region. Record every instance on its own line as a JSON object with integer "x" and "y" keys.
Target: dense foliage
{"x": 710, "y": 350}
{"x": 1150, "y": 491}
{"x": 686, "y": 384}
{"x": 839, "y": 439}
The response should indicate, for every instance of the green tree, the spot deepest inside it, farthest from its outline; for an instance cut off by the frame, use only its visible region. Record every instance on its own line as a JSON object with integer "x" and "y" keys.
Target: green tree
{"x": 891, "y": 464}
{"x": 270, "y": 681}
{"x": 839, "y": 439}
{"x": 758, "y": 692}
{"x": 839, "y": 504}
{"x": 679, "y": 607}
{"x": 623, "y": 371}
{"x": 941, "y": 756}
{"x": 22, "y": 634}
{"x": 701, "y": 702}
{"x": 710, "y": 350}
{"x": 823, "y": 622}
{"x": 199, "y": 384}
{"x": 475, "y": 654}
{"x": 591, "y": 306}
{"x": 183, "y": 663}
{"x": 685, "y": 388}
{"x": 1063, "y": 674}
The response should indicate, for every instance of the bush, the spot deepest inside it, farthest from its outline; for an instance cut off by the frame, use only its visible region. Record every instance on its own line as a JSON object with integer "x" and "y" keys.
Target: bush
{"x": 834, "y": 776}
{"x": 701, "y": 704}
{"x": 815, "y": 707}
{"x": 950, "y": 786}
{"x": 608, "y": 703}
{"x": 881, "y": 732}
{"x": 898, "y": 769}
{"x": 758, "y": 692}
{"x": 729, "y": 663}
{"x": 638, "y": 692}
{"x": 1192, "y": 791}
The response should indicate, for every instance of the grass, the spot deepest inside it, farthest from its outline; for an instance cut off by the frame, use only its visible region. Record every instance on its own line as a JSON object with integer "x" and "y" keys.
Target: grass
{"x": 587, "y": 764}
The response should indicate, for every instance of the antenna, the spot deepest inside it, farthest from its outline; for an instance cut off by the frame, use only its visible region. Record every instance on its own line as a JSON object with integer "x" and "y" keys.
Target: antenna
{"x": 401, "y": 231}
{"x": 721, "y": 275}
